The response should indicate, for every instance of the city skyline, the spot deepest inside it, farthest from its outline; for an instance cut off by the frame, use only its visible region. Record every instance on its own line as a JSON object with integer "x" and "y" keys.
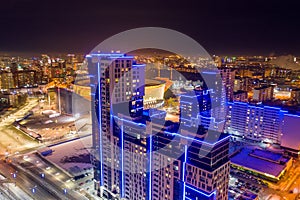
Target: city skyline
{"x": 157, "y": 100}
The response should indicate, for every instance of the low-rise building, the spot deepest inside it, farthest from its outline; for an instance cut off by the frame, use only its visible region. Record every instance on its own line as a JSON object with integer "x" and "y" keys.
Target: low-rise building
{"x": 241, "y": 96}
{"x": 265, "y": 164}
{"x": 263, "y": 93}
{"x": 295, "y": 95}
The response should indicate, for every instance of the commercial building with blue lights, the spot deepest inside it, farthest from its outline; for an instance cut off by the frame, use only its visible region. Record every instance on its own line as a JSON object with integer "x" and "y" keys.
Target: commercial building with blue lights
{"x": 256, "y": 122}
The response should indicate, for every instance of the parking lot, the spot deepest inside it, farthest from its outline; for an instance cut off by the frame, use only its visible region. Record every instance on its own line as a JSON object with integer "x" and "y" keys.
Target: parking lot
{"x": 241, "y": 182}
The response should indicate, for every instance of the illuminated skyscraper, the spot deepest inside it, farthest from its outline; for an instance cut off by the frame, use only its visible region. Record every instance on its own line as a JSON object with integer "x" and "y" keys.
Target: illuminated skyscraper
{"x": 137, "y": 154}
{"x": 115, "y": 81}
{"x": 228, "y": 77}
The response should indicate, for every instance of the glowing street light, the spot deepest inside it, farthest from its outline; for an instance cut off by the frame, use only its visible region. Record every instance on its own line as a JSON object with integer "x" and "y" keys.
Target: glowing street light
{"x": 33, "y": 190}
{"x": 14, "y": 174}
{"x": 65, "y": 191}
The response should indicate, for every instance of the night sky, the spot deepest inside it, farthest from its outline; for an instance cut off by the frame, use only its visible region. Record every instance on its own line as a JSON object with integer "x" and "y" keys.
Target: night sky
{"x": 222, "y": 27}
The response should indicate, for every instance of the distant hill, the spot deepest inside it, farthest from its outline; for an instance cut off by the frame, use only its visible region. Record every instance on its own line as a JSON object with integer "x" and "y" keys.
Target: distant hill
{"x": 286, "y": 62}
{"x": 151, "y": 52}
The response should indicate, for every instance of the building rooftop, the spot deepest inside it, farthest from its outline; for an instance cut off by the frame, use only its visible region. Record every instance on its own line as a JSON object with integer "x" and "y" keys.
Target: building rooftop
{"x": 261, "y": 162}
{"x": 262, "y": 87}
{"x": 239, "y": 92}
{"x": 267, "y": 155}
{"x": 110, "y": 55}
{"x": 153, "y": 82}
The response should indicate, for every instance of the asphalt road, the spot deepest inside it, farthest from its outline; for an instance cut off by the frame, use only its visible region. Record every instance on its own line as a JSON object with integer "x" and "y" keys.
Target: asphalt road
{"x": 25, "y": 182}
{"x": 51, "y": 181}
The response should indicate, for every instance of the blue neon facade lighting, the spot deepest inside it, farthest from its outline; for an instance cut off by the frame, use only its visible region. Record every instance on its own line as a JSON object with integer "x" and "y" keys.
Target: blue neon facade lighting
{"x": 210, "y": 72}
{"x": 100, "y": 128}
{"x": 257, "y": 106}
{"x": 183, "y": 170}
{"x": 110, "y": 55}
{"x": 194, "y": 94}
{"x": 200, "y": 141}
{"x": 203, "y": 118}
{"x": 138, "y": 65}
{"x": 186, "y": 102}
{"x": 150, "y": 168}
{"x": 177, "y": 134}
{"x": 291, "y": 115}
{"x": 122, "y": 162}
{"x": 212, "y": 194}
{"x": 130, "y": 122}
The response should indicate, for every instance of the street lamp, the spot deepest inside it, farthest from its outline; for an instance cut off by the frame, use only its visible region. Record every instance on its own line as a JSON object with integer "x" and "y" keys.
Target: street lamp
{"x": 65, "y": 190}
{"x": 14, "y": 174}
{"x": 33, "y": 190}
